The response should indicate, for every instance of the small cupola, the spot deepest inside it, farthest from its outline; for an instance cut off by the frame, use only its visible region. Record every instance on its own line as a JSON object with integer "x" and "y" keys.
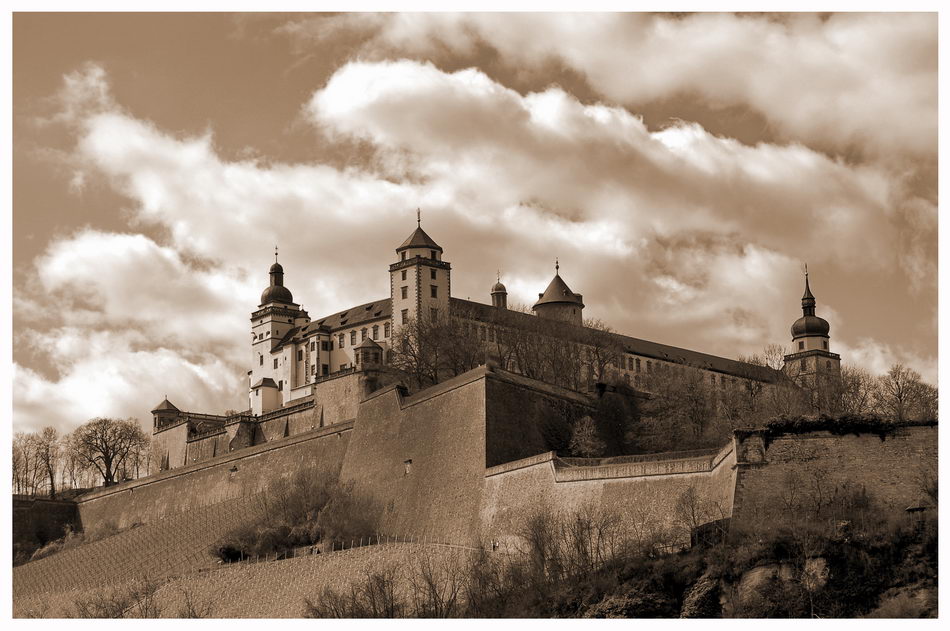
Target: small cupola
{"x": 276, "y": 292}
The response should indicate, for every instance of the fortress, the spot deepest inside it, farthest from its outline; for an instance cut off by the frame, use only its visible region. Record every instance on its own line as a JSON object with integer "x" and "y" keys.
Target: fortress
{"x": 308, "y": 374}
{"x": 465, "y": 460}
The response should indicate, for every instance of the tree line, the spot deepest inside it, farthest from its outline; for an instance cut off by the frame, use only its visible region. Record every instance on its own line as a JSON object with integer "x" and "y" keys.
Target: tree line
{"x": 103, "y": 451}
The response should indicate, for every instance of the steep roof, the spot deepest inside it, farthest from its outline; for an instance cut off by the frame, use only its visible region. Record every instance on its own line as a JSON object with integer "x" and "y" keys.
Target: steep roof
{"x": 354, "y": 316}
{"x": 419, "y": 239}
{"x": 369, "y": 343}
{"x": 636, "y": 346}
{"x": 266, "y": 382}
{"x": 165, "y": 406}
{"x": 558, "y": 291}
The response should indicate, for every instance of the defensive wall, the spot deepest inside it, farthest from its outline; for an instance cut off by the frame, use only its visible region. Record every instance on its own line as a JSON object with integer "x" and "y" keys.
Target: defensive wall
{"x": 229, "y": 476}
{"x": 891, "y": 467}
{"x": 643, "y": 492}
{"x": 38, "y": 520}
{"x": 464, "y": 460}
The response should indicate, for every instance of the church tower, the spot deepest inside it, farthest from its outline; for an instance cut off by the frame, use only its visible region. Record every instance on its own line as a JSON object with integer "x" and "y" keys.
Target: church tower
{"x": 420, "y": 281}
{"x": 558, "y": 302}
{"x": 811, "y": 364}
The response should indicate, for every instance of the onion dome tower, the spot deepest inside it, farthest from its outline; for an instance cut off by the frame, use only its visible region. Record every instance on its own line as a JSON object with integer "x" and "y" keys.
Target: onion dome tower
{"x": 499, "y": 294}
{"x": 558, "y": 302}
{"x": 811, "y": 364}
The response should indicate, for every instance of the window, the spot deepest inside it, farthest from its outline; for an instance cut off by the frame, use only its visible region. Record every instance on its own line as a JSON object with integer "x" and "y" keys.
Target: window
{"x": 352, "y": 338}
{"x": 432, "y": 274}
{"x": 342, "y": 366}
{"x": 650, "y": 368}
{"x": 408, "y": 465}
{"x": 433, "y": 314}
{"x": 363, "y": 335}
{"x": 404, "y": 274}
{"x": 801, "y": 346}
{"x": 405, "y": 316}
{"x": 375, "y": 331}
{"x": 386, "y": 330}
{"x": 299, "y": 355}
{"x": 404, "y": 291}
{"x": 638, "y": 364}
{"x": 432, "y": 254}
{"x": 403, "y": 258}
{"x": 262, "y": 360}
{"x": 275, "y": 362}
{"x": 326, "y": 369}
{"x": 824, "y": 344}
{"x": 325, "y": 346}
{"x": 434, "y": 290}
{"x": 340, "y": 340}
{"x": 280, "y": 384}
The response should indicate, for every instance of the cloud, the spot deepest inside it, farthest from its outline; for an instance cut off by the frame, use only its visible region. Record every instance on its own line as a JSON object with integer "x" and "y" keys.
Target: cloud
{"x": 841, "y": 82}
{"x": 676, "y": 235}
{"x": 107, "y": 373}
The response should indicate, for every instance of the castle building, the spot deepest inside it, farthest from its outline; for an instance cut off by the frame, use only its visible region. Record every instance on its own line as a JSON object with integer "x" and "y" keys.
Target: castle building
{"x": 330, "y": 363}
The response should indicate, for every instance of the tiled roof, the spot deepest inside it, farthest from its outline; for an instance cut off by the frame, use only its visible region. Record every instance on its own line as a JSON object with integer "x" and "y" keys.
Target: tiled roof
{"x": 558, "y": 291}
{"x": 419, "y": 239}
{"x": 637, "y": 346}
{"x": 354, "y": 316}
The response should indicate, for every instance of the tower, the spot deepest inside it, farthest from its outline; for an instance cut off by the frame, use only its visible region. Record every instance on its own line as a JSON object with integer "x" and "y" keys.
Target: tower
{"x": 811, "y": 364}
{"x": 558, "y": 302}
{"x": 275, "y": 316}
{"x": 499, "y": 294}
{"x": 420, "y": 281}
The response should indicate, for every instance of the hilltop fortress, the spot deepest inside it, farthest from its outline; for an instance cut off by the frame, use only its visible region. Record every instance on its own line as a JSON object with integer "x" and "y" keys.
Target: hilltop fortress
{"x": 465, "y": 460}
{"x": 308, "y": 374}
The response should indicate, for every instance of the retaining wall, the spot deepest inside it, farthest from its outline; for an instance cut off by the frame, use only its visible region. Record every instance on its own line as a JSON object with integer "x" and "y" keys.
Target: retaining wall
{"x": 226, "y": 477}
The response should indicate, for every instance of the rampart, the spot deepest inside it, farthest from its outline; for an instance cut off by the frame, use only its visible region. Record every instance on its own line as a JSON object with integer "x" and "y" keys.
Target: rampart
{"x": 892, "y": 468}
{"x": 218, "y": 479}
{"x": 38, "y": 520}
{"x": 647, "y": 495}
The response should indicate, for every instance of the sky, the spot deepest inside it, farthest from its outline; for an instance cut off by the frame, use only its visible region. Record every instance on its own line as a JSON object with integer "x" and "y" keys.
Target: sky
{"x": 682, "y": 168}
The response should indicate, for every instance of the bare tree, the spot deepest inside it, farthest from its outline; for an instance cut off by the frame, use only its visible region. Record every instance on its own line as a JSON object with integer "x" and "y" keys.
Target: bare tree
{"x": 901, "y": 395}
{"x": 48, "y": 454}
{"x": 106, "y": 444}
{"x": 584, "y": 439}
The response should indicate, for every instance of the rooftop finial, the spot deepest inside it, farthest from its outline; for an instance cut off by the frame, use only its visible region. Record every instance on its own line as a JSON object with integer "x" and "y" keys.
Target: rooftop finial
{"x": 499, "y": 276}
{"x": 806, "y": 271}
{"x": 275, "y": 253}
{"x": 418, "y": 218}
{"x": 557, "y": 266}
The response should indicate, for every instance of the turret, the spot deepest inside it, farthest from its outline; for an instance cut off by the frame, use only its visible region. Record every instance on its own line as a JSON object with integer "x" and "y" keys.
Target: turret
{"x": 558, "y": 302}
{"x": 499, "y": 295}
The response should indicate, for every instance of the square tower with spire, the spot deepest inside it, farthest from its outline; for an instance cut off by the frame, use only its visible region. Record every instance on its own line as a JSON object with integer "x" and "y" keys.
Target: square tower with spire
{"x": 420, "y": 281}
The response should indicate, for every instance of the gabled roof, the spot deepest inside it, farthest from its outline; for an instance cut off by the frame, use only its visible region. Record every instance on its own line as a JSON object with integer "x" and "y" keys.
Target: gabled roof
{"x": 633, "y": 345}
{"x": 419, "y": 239}
{"x": 375, "y": 311}
{"x": 165, "y": 406}
{"x": 558, "y": 291}
{"x": 266, "y": 382}
{"x": 369, "y": 343}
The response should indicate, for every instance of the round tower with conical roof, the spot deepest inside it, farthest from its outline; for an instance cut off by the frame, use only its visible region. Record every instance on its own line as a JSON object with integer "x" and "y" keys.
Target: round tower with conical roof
{"x": 420, "y": 281}
{"x": 558, "y": 302}
{"x": 811, "y": 364}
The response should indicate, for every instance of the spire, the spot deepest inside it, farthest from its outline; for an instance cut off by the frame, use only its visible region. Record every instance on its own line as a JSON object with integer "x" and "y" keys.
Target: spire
{"x": 418, "y": 218}
{"x": 808, "y": 299}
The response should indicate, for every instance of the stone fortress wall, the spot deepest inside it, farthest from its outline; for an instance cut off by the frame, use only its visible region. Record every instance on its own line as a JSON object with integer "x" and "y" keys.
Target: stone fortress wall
{"x": 462, "y": 461}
